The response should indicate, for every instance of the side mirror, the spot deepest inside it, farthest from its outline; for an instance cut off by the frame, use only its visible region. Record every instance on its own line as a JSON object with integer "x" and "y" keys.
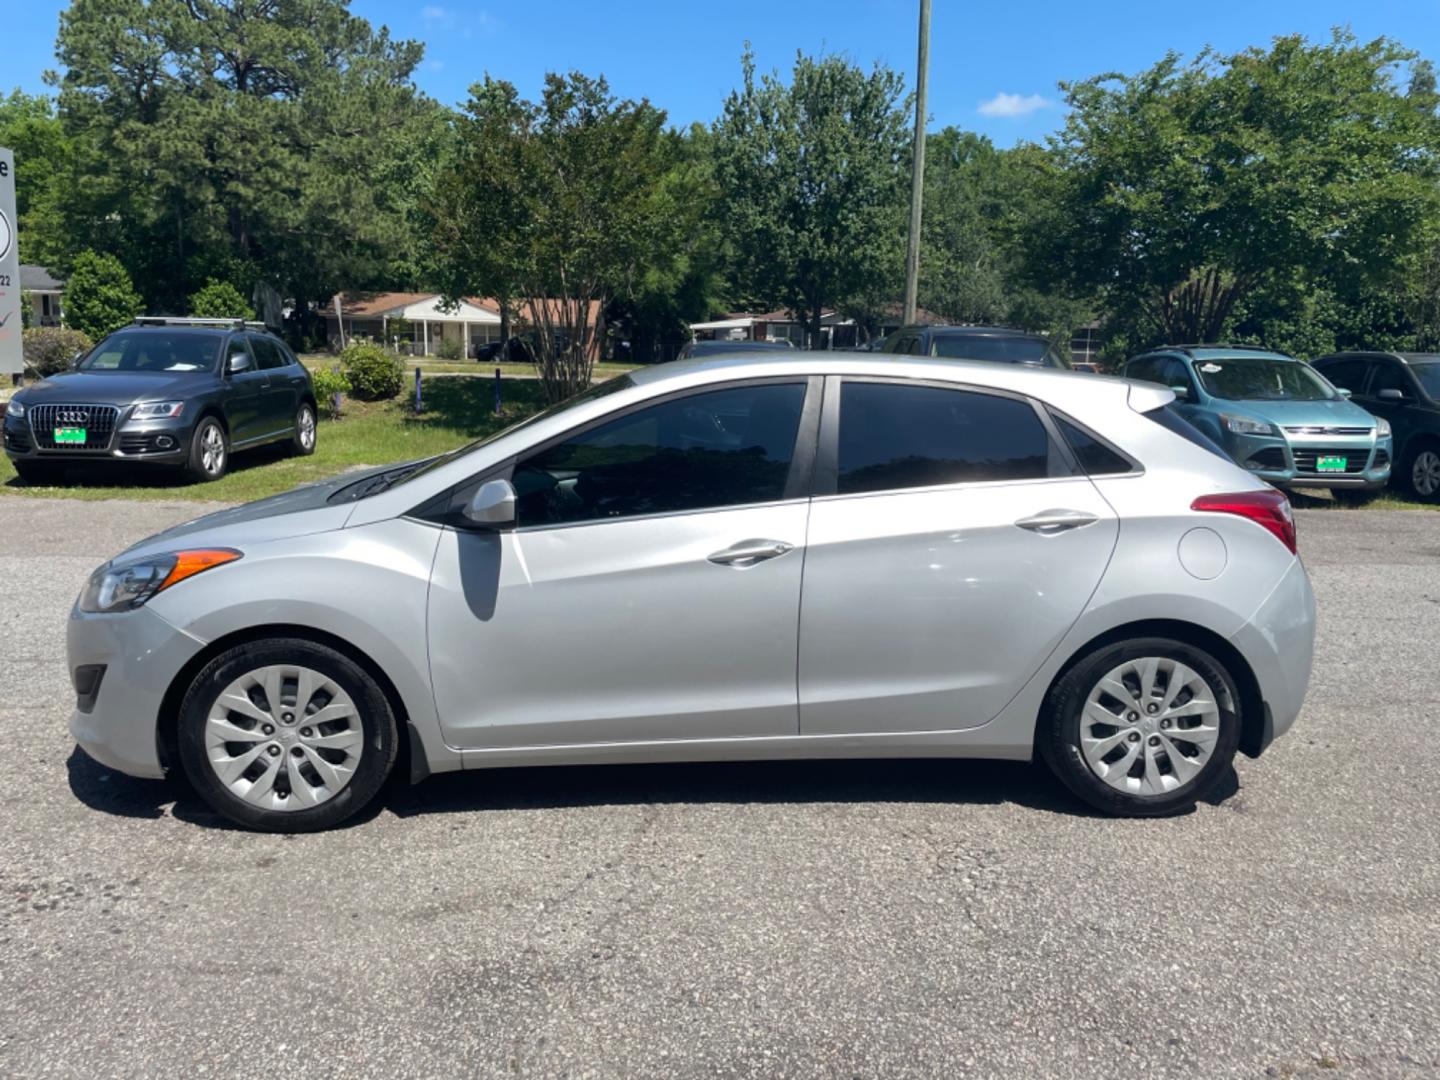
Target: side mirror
{"x": 1345, "y": 393}
{"x": 492, "y": 506}
{"x": 237, "y": 362}
{"x": 75, "y": 360}
{"x": 1182, "y": 393}
{"x": 1390, "y": 394}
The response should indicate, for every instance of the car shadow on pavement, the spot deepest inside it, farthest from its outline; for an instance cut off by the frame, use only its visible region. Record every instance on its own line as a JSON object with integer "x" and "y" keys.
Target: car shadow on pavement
{"x": 564, "y": 787}
{"x": 124, "y": 474}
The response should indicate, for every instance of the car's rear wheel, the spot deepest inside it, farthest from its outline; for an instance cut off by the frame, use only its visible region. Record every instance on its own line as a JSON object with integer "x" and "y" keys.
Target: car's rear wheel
{"x": 209, "y": 452}
{"x": 39, "y": 472}
{"x": 303, "y": 442}
{"x": 1142, "y": 728}
{"x": 286, "y": 735}
{"x": 1421, "y": 471}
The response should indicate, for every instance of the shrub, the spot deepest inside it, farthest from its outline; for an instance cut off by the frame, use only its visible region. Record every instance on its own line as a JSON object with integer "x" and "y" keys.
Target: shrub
{"x": 49, "y": 349}
{"x": 450, "y": 349}
{"x": 220, "y": 300}
{"x": 374, "y": 374}
{"x": 328, "y": 383}
{"x": 99, "y": 296}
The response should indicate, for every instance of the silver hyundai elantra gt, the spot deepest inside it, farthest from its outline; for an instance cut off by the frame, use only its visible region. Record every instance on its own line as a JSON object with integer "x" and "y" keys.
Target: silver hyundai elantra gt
{"x": 746, "y": 558}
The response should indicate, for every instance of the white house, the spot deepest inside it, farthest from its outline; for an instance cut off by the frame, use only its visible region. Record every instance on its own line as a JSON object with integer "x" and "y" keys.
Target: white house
{"x": 418, "y": 317}
{"x": 46, "y": 293}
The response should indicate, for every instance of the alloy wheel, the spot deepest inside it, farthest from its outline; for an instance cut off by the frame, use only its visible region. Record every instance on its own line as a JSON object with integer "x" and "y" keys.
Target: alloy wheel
{"x": 284, "y": 737}
{"x": 1425, "y": 473}
{"x": 307, "y": 428}
{"x": 1149, "y": 726}
{"x": 212, "y": 450}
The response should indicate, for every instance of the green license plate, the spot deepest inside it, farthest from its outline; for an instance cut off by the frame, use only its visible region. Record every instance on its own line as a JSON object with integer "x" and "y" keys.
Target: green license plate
{"x": 1331, "y": 464}
{"x": 70, "y": 436}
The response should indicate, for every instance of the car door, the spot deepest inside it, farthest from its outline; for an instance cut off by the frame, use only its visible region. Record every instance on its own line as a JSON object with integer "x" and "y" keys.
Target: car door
{"x": 1398, "y": 406}
{"x": 278, "y": 399}
{"x": 954, "y": 549}
{"x": 246, "y": 383}
{"x": 651, "y": 587}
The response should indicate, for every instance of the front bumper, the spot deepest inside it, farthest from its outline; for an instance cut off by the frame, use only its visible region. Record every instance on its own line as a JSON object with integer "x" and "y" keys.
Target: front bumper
{"x": 1278, "y": 642}
{"x": 142, "y": 441}
{"x": 142, "y": 654}
{"x": 1290, "y": 462}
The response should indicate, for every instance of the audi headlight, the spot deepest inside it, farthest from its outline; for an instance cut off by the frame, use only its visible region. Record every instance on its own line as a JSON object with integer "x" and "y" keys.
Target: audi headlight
{"x": 14, "y": 408}
{"x": 128, "y": 585}
{"x": 1246, "y": 425}
{"x": 1382, "y": 428}
{"x": 157, "y": 410}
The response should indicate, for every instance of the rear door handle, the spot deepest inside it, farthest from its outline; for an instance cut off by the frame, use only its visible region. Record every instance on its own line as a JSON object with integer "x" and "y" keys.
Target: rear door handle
{"x": 749, "y": 552}
{"x": 1053, "y": 522}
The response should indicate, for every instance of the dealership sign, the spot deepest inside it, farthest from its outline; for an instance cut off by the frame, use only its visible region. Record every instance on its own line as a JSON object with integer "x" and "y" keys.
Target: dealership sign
{"x": 10, "y": 320}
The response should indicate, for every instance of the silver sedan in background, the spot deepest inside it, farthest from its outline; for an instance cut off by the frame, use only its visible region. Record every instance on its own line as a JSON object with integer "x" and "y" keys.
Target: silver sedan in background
{"x": 757, "y": 557}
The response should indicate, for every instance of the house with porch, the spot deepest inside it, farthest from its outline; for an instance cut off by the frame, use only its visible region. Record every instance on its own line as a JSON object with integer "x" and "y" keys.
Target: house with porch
{"x": 46, "y": 293}
{"x": 420, "y": 323}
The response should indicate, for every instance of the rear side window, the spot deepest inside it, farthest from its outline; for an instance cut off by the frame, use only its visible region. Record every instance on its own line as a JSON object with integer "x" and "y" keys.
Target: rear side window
{"x": 1346, "y": 374}
{"x": 267, "y": 353}
{"x": 894, "y": 436}
{"x": 1172, "y": 421}
{"x": 1094, "y": 456}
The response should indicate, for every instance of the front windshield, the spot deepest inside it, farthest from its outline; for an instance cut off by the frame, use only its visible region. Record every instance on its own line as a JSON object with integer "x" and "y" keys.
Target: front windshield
{"x": 1429, "y": 375}
{"x": 405, "y": 473}
{"x": 173, "y": 352}
{"x": 1249, "y": 378}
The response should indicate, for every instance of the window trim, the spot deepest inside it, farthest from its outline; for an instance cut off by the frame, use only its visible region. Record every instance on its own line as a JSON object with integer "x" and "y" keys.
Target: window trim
{"x": 827, "y": 464}
{"x": 1370, "y": 362}
{"x": 1052, "y": 414}
{"x": 798, "y": 481}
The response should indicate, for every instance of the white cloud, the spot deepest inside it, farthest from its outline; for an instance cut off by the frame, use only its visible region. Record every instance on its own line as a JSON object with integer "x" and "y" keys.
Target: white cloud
{"x": 1011, "y": 105}
{"x": 432, "y": 13}
{"x": 436, "y": 65}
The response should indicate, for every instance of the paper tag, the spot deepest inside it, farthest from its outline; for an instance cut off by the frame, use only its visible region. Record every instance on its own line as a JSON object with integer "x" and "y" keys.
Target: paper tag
{"x": 1211, "y": 369}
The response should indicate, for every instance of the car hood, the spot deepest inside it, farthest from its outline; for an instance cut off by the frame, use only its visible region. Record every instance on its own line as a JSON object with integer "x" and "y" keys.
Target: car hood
{"x": 1339, "y": 413}
{"x": 115, "y": 388}
{"x": 300, "y": 512}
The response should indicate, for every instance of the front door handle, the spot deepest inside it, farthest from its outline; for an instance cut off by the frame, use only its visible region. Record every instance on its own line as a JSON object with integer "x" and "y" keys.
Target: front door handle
{"x": 749, "y": 552}
{"x": 1054, "y": 522}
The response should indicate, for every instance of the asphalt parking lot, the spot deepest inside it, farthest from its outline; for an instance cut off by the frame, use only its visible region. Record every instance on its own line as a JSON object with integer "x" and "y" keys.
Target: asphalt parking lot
{"x": 852, "y": 919}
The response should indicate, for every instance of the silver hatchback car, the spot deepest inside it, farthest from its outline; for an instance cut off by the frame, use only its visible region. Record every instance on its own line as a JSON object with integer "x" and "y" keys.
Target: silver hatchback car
{"x": 759, "y": 557}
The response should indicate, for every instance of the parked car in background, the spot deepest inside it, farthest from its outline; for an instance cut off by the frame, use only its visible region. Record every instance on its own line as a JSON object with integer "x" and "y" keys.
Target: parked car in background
{"x": 715, "y": 348}
{"x": 177, "y": 393}
{"x": 1275, "y": 416}
{"x": 993, "y": 343}
{"x": 972, "y": 587}
{"x": 1085, "y": 366}
{"x": 1404, "y": 389}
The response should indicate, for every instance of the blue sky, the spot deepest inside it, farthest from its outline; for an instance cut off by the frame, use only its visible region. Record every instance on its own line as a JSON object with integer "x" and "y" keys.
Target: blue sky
{"x": 994, "y": 66}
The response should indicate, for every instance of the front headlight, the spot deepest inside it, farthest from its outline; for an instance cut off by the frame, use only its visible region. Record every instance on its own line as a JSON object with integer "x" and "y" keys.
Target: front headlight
{"x": 157, "y": 410}
{"x": 1382, "y": 428}
{"x": 1246, "y": 425}
{"x": 14, "y": 408}
{"x": 128, "y": 585}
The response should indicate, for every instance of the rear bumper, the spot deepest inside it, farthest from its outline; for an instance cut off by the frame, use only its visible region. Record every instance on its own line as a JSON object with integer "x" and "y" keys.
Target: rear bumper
{"x": 141, "y": 653}
{"x": 1278, "y": 641}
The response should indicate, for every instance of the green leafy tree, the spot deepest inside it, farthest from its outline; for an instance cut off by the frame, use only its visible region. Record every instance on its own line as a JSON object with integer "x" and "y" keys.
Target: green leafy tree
{"x": 555, "y": 208}
{"x": 43, "y": 154}
{"x": 1186, "y": 190}
{"x": 99, "y": 297}
{"x": 249, "y": 143}
{"x": 812, "y": 177}
{"x": 220, "y": 300}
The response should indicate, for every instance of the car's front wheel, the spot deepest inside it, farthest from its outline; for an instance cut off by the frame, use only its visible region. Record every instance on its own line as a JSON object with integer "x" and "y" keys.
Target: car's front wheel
{"x": 209, "y": 452}
{"x": 1142, "y": 728}
{"x": 286, "y": 735}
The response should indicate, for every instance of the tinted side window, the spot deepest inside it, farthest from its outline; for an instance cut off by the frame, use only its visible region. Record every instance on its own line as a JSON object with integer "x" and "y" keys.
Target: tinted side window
{"x": 1146, "y": 369}
{"x": 894, "y": 436}
{"x": 1391, "y": 377}
{"x": 1094, "y": 456}
{"x": 1173, "y": 372}
{"x": 1346, "y": 374}
{"x": 266, "y": 353}
{"x": 721, "y": 448}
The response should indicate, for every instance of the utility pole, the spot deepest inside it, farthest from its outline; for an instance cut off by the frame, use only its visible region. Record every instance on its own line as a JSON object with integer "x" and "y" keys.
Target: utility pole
{"x": 917, "y": 178}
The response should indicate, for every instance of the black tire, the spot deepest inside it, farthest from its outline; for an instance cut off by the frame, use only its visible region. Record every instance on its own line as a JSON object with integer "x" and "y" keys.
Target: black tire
{"x": 1407, "y": 473}
{"x": 377, "y": 721}
{"x": 1058, "y": 732}
{"x": 299, "y": 446}
{"x": 39, "y": 473}
{"x": 1354, "y": 496}
{"x": 198, "y": 468}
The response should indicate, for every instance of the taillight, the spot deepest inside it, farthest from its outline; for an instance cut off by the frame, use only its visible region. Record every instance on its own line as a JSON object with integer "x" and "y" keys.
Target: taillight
{"x": 1268, "y": 509}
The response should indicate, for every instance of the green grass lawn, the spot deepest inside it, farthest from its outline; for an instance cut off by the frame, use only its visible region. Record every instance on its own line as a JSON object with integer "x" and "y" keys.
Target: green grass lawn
{"x": 456, "y": 411}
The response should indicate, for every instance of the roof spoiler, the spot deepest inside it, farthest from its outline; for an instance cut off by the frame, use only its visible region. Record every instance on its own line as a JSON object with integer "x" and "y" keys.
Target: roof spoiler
{"x": 1147, "y": 397}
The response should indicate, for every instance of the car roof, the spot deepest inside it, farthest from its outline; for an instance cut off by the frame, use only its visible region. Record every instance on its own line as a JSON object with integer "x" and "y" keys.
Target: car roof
{"x": 975, "y": 331}
{"x": 194, "y": 330}
{"x": 1216, "y": 352}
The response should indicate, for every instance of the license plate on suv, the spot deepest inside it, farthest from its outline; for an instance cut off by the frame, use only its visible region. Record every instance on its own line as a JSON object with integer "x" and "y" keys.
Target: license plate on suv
{"x": 69, "y": 436}
{"x": 1331, "y": 463}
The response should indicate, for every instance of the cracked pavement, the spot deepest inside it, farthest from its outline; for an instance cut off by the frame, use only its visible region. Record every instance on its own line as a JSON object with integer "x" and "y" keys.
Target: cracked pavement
{"x": 839, "y": 919}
